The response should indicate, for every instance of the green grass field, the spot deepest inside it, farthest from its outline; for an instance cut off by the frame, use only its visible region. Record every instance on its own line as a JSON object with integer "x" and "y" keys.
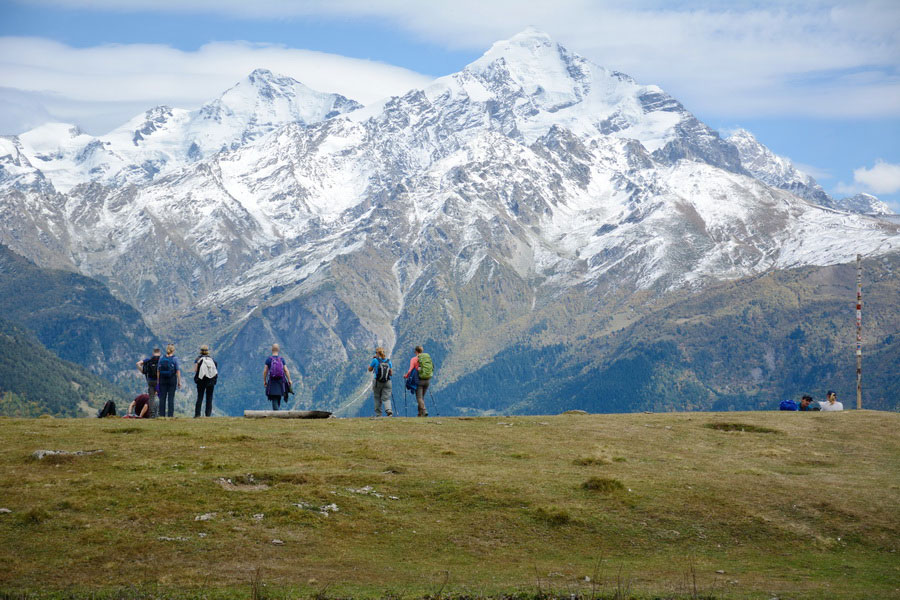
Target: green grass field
{"x": 645, "y": 505}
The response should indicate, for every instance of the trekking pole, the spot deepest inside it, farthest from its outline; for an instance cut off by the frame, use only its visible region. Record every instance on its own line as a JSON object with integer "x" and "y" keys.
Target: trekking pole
{"x": 437, "y": 411}
{"x": 393, "y": 403}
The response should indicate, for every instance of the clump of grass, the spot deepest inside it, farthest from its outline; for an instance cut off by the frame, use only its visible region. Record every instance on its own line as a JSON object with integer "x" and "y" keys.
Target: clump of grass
{"x": 740, "y": 427}
{"x": 448, "y": 453}
{"x": 124, "y": 430}
{"x": 269, "y": 478}
{"x": 604, "y": 485}
{"x": 553, "y": 517}
{"x": 66, "y": 505}
{"x": 34, "y": 516}
{"x": 587, "y": 461}
{"x": 520, "y": 455}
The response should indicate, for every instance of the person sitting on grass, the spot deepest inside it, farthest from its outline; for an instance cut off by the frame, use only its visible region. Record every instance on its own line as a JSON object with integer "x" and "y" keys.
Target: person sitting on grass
{"x": 806, "y": 403}
{"x": 139, "y": 407}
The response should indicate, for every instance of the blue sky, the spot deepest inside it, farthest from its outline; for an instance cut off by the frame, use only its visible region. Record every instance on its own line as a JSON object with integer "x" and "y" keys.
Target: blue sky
{"x": 817, "y": 81}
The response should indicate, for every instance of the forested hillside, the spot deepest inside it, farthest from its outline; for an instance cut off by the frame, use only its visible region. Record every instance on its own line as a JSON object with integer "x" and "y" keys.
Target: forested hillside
{"x": 74, "y": 316}
{"x": 35, "y": 382}
{"x": 740, "y": 345}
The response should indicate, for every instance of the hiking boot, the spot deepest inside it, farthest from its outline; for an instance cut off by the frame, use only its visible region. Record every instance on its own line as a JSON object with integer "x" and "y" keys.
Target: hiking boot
{"x": 390, "y": 413}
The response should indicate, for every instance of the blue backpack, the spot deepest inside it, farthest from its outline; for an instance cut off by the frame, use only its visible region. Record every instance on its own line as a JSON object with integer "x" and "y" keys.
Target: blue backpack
{"x": 788, "y": 405}
{"x": 412, "y": 382}
{"x": 166, "y": 366}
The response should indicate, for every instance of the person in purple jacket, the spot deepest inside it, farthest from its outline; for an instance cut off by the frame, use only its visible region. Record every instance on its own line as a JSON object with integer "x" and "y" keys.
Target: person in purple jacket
{"x": 276, "y": 378}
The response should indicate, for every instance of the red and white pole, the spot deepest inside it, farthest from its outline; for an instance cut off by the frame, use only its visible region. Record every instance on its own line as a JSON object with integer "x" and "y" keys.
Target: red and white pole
{"x": 858, "y": 331}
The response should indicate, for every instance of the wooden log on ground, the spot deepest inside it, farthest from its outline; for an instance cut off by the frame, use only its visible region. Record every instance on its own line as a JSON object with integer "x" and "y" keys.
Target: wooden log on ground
{"x": 286, "y": 414}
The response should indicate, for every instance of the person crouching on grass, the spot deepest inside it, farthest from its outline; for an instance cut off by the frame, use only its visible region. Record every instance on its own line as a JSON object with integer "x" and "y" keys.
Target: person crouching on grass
{"x": 139, "y": 407}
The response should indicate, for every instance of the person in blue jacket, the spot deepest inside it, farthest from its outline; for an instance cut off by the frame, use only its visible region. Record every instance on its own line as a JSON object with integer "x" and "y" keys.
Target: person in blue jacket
{"x": 381, "y": 385}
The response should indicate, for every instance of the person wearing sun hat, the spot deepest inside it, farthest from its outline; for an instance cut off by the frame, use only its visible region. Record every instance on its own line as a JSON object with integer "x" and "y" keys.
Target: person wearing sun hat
{"x": 206, "y": 372}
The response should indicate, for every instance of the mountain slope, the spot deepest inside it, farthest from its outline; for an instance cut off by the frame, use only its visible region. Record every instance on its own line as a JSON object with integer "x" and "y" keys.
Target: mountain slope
{"x": 74, "y": 316}
{"x": 34, "y": 381}
{"x": 462, "y": 215}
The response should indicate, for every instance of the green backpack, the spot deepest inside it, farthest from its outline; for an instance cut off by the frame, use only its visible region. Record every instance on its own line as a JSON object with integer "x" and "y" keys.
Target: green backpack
{"x": 426, "y": 367}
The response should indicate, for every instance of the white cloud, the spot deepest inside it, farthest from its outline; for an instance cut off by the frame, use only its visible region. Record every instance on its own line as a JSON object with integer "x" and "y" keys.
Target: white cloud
{"x": 814, "y": 172}
{"x": 101, "y": 87}
{"x": 883, "y": 178}
{"x": 726, "y": 58}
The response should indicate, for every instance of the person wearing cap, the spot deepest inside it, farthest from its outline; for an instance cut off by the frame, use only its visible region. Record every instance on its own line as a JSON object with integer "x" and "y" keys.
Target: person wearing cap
{"x": 807, "y": 404}
{"x": 831, "y": 404}
{"x": 147, "y": 367}
{"x": 206, "y": 373}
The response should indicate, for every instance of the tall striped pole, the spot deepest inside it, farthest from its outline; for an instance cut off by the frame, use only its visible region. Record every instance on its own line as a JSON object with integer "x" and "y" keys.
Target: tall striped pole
{"x": 858, "y": 331}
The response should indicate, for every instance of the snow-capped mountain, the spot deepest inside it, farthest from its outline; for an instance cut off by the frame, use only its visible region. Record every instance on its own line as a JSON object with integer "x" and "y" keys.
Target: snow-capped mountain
{"x": 775, "y": 170}
{"x": 780, "y": 172}
{"x": 862, "y": 203}
{"x": 165, "y": 139}
{"x": 465, "y": 214}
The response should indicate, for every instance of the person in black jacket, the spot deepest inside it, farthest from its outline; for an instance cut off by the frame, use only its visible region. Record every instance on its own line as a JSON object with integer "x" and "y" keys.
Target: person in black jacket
{"x": 206, "y": 373}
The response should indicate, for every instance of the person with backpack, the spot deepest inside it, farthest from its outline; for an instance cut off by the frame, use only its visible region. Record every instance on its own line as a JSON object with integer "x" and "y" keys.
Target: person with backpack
{"x": 422, "y": 364}
{"x": 206, "y": 373}
{"x": 169, "y": 376}
{"x": 148, "y": 368}
{"x": 276, "y": 378}
{"x": 381, "y": 385}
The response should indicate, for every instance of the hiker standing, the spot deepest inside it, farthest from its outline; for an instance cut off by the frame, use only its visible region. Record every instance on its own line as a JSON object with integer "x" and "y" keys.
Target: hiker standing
{"x": 422, "y": 364}
{"x": 148, "y": 368}
{"x": 276, "y": 378}
{"x": 381, "y": 385}
{"x": 206, "y": 373}
{"x": 169, "y": 376}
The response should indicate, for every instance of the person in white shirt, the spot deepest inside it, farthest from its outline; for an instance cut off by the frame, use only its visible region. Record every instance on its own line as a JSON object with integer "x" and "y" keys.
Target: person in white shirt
{"x": 831, "y": 403}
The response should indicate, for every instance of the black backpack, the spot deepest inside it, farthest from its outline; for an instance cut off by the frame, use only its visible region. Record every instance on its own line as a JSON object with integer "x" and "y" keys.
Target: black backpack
{"x": 108, "y": 410}
{"x": 149, "y": 367}
{"x": 383, "y": 372}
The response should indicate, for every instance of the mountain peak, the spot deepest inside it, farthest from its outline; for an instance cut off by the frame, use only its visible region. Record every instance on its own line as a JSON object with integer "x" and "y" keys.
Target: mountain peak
{"x": 863, "y": 203}
{"x": 528, "y": 46}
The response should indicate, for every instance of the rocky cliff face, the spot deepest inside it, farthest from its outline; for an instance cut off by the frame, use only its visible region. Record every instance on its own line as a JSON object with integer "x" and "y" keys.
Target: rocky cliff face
{"x": 531, "y": 197}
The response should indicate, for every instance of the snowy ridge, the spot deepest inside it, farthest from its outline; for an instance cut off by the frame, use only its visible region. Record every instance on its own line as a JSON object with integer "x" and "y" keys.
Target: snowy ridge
{"x": 165, "y": 139}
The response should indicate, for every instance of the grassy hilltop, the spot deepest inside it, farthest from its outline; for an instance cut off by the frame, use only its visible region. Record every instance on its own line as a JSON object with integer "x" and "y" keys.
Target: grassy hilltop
{"x": 653, "y": 505}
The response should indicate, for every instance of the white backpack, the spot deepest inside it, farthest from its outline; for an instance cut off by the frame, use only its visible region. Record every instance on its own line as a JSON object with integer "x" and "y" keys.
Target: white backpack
{"x": 206, "y": 368}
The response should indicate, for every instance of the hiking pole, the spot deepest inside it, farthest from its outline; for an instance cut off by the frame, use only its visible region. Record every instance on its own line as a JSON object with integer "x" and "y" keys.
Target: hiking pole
{"x": 437, "y": 411}
{"x": 393, "y": 403}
